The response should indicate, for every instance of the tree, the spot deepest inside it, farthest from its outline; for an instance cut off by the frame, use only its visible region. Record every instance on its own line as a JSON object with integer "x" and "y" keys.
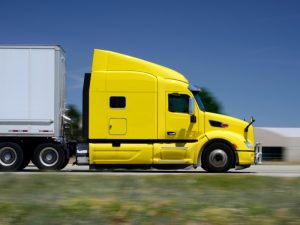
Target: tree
{"x": 75, "y": 130}
{"x": 211, "y": 104}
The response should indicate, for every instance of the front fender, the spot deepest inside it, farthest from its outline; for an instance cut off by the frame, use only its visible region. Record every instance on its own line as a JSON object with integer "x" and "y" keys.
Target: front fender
{"x": 236, "y": 140}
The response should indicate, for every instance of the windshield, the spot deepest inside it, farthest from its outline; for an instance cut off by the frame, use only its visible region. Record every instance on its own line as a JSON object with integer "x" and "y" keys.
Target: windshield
{"x": 198, "y": 100}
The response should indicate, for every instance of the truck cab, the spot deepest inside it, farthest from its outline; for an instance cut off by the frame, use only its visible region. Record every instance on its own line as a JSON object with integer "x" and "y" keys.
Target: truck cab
{"x": 140, "y": 114}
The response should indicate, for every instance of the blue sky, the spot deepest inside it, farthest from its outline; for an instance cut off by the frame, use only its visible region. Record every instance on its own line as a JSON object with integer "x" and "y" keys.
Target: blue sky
{"x": 247, "y": 53}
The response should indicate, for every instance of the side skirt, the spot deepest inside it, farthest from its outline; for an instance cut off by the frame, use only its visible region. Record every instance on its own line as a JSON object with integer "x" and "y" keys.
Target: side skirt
{"x": 138, "y": 167}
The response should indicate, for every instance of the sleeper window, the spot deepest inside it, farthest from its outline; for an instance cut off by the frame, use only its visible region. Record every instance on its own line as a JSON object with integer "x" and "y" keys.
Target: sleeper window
{"x": 117, "y": 102}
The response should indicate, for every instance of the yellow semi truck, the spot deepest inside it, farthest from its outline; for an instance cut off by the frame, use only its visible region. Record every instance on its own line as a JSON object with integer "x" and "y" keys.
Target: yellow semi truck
{"x": 137, "y": 114}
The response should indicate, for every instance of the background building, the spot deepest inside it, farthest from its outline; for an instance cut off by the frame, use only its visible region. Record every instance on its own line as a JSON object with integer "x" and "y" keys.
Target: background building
{"x": 281, "y": 144}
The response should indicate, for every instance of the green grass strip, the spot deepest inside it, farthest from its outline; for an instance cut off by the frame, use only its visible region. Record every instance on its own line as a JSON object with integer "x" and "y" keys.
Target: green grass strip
{"x": 164, "y": 199}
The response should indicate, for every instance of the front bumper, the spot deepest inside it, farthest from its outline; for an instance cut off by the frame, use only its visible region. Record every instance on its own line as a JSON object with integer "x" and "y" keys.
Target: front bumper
{"x": 245, "y": 158}
{"x": 258, "y": 153}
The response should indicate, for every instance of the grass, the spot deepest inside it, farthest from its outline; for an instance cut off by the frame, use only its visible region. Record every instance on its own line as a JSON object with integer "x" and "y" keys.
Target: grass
{"x": 165, "y": 199}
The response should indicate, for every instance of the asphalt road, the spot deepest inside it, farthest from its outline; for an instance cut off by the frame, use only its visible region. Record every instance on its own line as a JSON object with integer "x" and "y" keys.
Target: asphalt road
{"x": 279, "y": 170}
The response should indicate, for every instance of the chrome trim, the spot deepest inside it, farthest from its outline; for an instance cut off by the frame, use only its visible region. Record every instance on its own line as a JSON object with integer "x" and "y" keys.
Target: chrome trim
{"x": 49, "y": 156}
{"x": 191, "y": 105}
{"x": 8, "y": 156}
{"x": 82, "y": 154}
{"x": 194, "y": 88}
{"x": 248, "y": 144}
{"x": 82, "y": 160}
{"x": 66, "y": 118}
{"x": 218, "y": 158}
{"x": 171, "y": 133}
{"x": 26, "y": 122}
{"x": 258, "y": 153}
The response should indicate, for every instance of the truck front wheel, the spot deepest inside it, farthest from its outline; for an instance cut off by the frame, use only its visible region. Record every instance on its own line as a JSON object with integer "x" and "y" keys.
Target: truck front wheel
{"x": 49, "y": 156}
{"x": 11, "y": 156}
{"x": 217, "y": 158}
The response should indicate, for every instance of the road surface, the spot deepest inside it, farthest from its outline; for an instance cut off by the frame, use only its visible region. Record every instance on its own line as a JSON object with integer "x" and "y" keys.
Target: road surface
{"x": 280, "y": 170}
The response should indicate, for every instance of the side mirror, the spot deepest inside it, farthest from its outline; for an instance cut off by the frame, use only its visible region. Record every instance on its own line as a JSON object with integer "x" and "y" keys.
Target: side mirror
{"x": 191, "y": 106}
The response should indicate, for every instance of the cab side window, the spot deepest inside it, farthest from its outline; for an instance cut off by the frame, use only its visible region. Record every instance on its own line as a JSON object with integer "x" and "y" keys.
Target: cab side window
{"x": 178, "y": 103}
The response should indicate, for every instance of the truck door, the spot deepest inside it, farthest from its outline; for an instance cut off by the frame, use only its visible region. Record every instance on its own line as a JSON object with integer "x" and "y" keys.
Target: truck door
{"x": 179, "y": 125}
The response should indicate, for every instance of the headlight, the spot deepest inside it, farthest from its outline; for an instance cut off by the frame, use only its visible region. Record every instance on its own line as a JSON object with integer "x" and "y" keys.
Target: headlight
{"x": 248, "y": 144}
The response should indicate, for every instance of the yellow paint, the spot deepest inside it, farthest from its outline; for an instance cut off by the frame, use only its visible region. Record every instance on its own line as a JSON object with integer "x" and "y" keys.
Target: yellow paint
{"x": 117, "y": 126}
{"x": 146, "y": 117}
{"x": 246, "y": 158}
{"x": 125, "y": 154}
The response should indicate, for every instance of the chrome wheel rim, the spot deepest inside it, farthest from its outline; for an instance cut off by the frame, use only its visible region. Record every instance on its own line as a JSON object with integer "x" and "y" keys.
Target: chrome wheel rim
{"x": 218, "y": 158}
{"x": 8, "y": 156}
{"x": 49, "y": 156}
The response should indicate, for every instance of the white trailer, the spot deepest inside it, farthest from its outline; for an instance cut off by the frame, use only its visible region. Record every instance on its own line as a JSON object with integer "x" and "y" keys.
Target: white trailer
{"x": 32, "y": 97}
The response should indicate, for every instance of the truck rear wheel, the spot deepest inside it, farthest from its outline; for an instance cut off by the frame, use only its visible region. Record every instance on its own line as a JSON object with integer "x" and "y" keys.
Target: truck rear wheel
{"x": 11, "y": 156}
{"x": 65, "y": 163}
{"x": 49, "y": 156}
{"x": 217, "y": 158}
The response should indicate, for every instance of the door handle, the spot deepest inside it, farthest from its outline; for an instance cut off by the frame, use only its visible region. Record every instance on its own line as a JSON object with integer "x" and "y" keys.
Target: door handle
{"x": 171, "y": 133}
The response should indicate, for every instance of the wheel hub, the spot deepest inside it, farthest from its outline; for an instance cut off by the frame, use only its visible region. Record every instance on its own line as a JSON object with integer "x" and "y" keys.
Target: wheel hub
{"x": 8, "y": 156}
{"x": 218, "y": 158}
{"x": 49, "y": 156}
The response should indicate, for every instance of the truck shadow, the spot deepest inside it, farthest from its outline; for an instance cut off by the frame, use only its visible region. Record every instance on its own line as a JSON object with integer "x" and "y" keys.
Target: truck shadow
{"x": 128, "y": 171}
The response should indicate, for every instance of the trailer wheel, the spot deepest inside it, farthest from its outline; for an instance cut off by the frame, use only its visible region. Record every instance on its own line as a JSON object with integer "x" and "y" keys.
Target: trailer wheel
{"x": 65, "y": 163}
{"x": 217, "y": 158}
{"x": 25, "y": 162}
{"x": 11, "y": 156}
{"x": 49, "y": 156}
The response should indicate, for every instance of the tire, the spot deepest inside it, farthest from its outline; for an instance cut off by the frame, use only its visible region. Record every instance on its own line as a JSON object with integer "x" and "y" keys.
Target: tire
{"x": 11, "y": 156}
{"x": 217, "y": 158}
{"x": 65, "y": 163}
{"x": 49, "y": 156}
{"x": 25, "y": 162}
